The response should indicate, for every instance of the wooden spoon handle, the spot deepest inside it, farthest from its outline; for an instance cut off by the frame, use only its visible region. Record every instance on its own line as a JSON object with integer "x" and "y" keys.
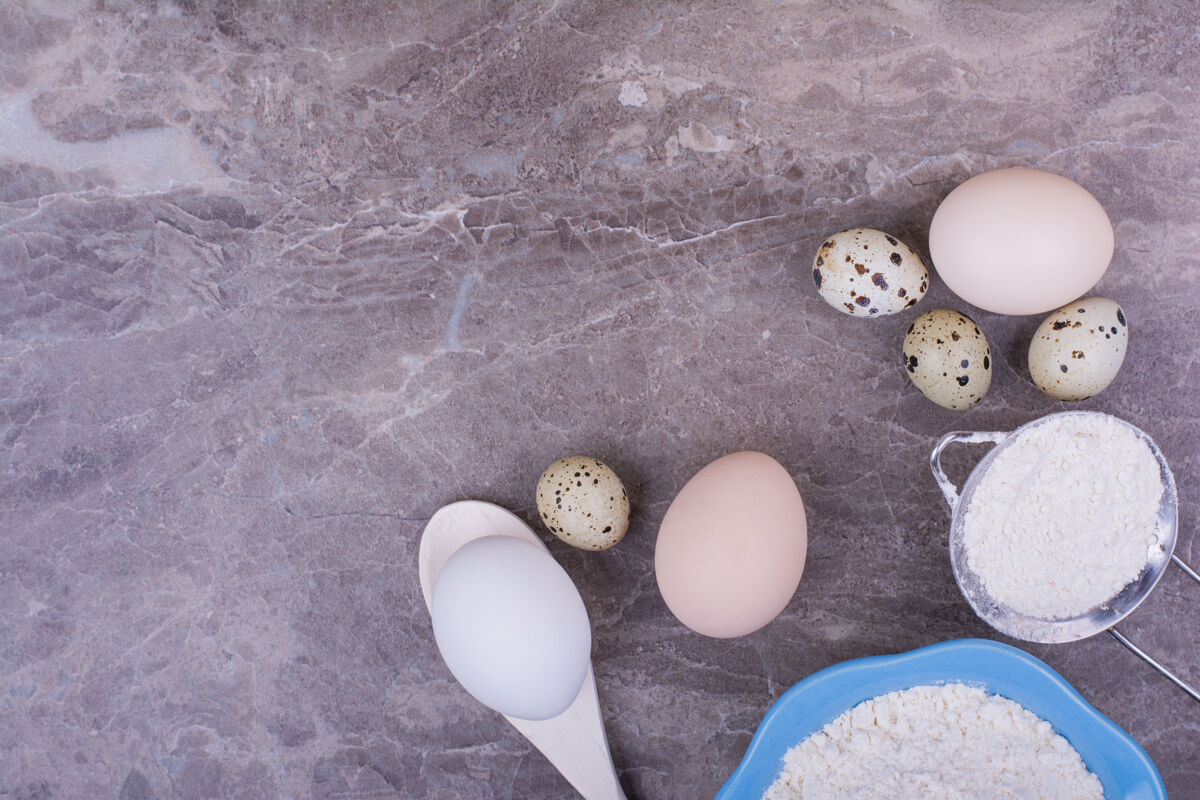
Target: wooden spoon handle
{"x": 575, "y": 744}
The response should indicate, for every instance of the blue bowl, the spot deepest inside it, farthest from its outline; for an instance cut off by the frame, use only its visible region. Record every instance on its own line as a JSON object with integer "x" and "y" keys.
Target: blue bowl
{"x": 1117, "y": 760}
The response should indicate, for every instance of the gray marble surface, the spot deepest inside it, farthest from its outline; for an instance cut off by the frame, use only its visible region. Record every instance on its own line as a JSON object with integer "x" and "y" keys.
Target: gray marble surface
{"x": 281, "y": 279}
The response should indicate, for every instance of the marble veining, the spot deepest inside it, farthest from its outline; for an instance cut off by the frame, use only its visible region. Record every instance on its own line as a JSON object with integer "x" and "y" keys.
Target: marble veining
{"x": 281, "y": 279}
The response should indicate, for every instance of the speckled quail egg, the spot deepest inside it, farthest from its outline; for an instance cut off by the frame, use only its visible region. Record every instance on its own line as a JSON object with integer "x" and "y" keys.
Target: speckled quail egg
{"x": 868, "y": 273}
{"x": 948, "y": 359}
{"x": 1078, "y": 350}
{"x": 583, "y": 502}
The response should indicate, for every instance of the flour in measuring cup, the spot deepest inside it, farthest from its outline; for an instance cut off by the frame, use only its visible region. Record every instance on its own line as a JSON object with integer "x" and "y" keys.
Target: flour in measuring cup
{"x": 1065, "y": 516}
{"x": 950, "y": 742}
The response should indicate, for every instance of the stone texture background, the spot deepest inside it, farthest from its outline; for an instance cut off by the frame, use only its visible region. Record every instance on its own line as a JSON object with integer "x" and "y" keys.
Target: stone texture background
{"x": 281, "y": 279}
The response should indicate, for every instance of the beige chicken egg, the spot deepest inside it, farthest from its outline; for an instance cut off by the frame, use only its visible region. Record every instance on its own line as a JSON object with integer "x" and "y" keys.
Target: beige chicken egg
{"x": 1020, "y": 241}
{"x": 948, "y": 358}
{"x": 1078, "y": 350}
{"x": 868, "y": 273}
{"x": 583, "y": 502}
{"x": 731, "y": 548}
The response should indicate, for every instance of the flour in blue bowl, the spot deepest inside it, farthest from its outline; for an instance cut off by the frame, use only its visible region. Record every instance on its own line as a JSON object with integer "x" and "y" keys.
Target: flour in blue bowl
{"x": 953, "y": 742}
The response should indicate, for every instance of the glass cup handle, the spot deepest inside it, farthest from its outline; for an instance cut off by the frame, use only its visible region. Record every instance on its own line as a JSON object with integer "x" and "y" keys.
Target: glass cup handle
{"x": 949, "y": 490}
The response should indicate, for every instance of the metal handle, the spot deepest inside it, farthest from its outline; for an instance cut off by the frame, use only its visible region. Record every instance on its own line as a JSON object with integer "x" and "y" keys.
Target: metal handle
{"x": 1191, "y": 573}
{"x": 949, "y": 490}
{"x": 1144, "y": 656}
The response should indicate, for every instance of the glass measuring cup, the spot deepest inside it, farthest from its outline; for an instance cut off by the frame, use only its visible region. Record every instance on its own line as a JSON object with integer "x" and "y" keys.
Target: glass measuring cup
{"x": 1100, "y": 618}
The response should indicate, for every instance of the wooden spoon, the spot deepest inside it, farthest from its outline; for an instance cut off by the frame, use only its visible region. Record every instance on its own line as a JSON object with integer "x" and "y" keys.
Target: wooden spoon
{"x": 574, "y": 741}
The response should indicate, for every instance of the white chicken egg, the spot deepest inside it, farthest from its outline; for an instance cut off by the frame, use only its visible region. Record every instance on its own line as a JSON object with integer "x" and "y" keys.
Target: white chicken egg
{"x": 1078, "y": 350}
{"x": 511, "y": 626}
{"x": 868, "y": 273}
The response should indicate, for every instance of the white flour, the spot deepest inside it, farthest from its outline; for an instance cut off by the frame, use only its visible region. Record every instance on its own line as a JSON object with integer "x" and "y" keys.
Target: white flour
{"x": 1065, "y": 517}
{"x": 947, "y": 742}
